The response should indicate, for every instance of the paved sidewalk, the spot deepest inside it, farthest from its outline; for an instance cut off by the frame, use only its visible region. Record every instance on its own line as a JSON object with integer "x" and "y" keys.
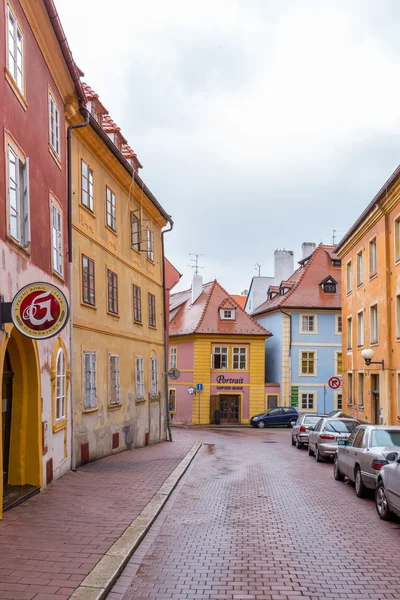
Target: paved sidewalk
{"x": 51, "y": 542}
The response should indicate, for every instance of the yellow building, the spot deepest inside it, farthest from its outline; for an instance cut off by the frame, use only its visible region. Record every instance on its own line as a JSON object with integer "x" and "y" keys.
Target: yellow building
{"x": 370, "y": 254}
{"x": 220, "y": 353}
{"x": 118, "y": 312}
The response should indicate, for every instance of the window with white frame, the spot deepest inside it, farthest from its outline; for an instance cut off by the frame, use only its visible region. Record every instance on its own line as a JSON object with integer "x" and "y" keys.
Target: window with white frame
{"x": 360, "y": 328}
{"x": 173, "y": 353}
{"x": 349, "y": 277}
{"x": 372, "y": 257}
{"x": 113, "y": 378}
{"x": 139, "y": 377}
{"x": 15, "y": 49}
{"x": 360, "y": 268}
{"x": 87, "y": 197}
{"x": 397, "y": 239}
{"x": 350, "y": 389}
{"x": 220, "y": 358}
{"x": 61, "y": 383}
{"x": 338, "y": 324}
{"x": 307, "y": 400}
{"x": 239, "y": 358}
{"x": 135, "y": 231}
{"x": 398, "y": 394}
{"x": 307, "y": 362}
{"x": 111, "y": 209}
{"x": 150, "y": 243}
{"x": 54, "y": 125}
{"x": 18, "y": 198}
{"x": 338, "y": 363}
{"x": 89, "y": 367}
{"x": 308, "y": 323}
{"x": 361, "y": 389}
{"x": 56, "y": 239}
{"x": 338, "y": 401}
{"x": 349, "y": 333}
{"x": 154, "y": 376}
{"x": 398, "y": 316}
{"x": 374, "y": 324}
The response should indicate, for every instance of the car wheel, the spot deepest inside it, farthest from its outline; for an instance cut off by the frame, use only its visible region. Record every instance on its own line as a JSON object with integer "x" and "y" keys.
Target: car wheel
{"x": 318, "y": 457}
{"x": 261, "y": 424}
{"x": 338, "y": 475}
{"x": 310, "y": 452}
{"x": 292, "y": 423}
{"x": 382, "y": 505}
{"x": 361, "y": 490}
{"x": 293, "y": 442}
{"x": 298, "y": 445}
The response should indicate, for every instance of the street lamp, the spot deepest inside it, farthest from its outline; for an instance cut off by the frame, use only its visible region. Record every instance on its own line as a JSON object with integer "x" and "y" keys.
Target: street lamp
{"x": 368, "y": 355}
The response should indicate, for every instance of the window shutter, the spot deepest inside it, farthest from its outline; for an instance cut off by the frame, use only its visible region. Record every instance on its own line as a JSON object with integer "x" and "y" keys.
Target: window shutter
{"x": 26, "y": 204}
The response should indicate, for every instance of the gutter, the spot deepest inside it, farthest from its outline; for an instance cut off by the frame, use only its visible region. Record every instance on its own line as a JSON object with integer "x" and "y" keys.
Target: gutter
{"x": 166, "y": 310}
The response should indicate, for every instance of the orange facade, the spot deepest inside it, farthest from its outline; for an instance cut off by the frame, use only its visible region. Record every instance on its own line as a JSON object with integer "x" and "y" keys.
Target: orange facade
{"x": 370, "y": 254}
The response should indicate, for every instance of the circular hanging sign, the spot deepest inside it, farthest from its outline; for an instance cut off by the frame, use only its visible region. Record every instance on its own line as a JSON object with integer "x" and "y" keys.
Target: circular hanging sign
{"x": 39, "y": 310}
{"x": 174, "y": 373}
{"x": 334, "y": 383}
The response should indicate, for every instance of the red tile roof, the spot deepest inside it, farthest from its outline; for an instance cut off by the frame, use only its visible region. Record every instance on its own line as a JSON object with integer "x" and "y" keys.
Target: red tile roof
{"x": 241, "y": 300}
{"x": 110, "y": 126}
{"x": 203, "y": 316}
{"x": 306, "y": 291}
{"x": 91, "y": 95}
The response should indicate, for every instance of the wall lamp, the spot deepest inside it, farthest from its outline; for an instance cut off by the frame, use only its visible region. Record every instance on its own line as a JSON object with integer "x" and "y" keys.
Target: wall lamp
{"x": 368, "y": 355}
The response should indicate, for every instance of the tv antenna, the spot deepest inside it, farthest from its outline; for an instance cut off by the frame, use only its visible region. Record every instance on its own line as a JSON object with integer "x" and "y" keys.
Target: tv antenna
{"x": 258, "y": 268}
{"x": 195, "y": 260}
{"x": 334, "y": 236}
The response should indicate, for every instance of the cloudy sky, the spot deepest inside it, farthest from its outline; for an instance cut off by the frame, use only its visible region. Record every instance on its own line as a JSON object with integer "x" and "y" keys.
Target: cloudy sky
{"x": 260, "y": 123}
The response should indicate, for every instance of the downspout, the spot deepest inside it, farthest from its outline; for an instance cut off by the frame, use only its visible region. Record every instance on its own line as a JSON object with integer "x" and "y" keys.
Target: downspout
{"x": 290, "y": 349}
{"x": 166, "y": 309}
{"x": 71, "y": 361}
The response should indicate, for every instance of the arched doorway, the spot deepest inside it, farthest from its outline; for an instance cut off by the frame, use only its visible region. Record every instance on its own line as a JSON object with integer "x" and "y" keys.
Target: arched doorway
{"x": 6, "y": 414}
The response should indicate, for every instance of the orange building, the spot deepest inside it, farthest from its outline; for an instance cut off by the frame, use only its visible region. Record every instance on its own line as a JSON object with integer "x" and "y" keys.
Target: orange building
{"x": 370, "y": 254}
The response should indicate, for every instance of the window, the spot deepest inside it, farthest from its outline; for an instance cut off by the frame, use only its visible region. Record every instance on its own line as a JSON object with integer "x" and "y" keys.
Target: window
{"x": 150, "y": 243}
{"x": 361, "y": 389}
{"x": 173, "y": 355}
{"x": 220, "y": 358}
{"x": 56, "y": 239}
{"x": 88, "y": 295}
{"x": 360, "y": 328}
{"x": 349, "y": 333}
{"x": 18, "y": 198}
{"x": 89, "y": 367}
{"x": 172, "y": 401}
{"x": 227, "y": 314}
{"x": 87, "y": 197}
{"x": 338, "y": 324}
{"x": 54, "y": 125}
{"x": 338, "y": 363}
{"x": 338, "y": 401}
{"x": 113, "y": 369}
{"x": 374, "y": 324}
{"x": 307, "y": 360}
{"x": 135, "y": 231}
{"x": 111, "y": 209}
{"x": 15, "y": 50}
{"x": 60, "y": 385}
{"x": 349, "y": 277}
{"x": 139, "y": 377}
{"x": 112, "y": 292}
{"x": 398, "y": 317}
{"x": 137, "y": 304}
{"x": 329, "y": 287}
{"x": 154, "y": 376}
{"x": 397, "y": 239}
{"x": 350, "y": 389}
{"x": 152, "y": 310}
{"x": 308, "y": 324}
{"x": 307, "y": 400}
{"x": 398, "y": 394}
{"x": 360, "y": 268}
{"x": 372, "y": 257}
{"x": 359, "y": 438}
{"x": 239, "y": 358}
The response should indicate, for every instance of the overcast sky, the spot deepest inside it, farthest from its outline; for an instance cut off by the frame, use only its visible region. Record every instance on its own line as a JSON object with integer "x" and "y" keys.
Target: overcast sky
{"x": 260, "y": 124}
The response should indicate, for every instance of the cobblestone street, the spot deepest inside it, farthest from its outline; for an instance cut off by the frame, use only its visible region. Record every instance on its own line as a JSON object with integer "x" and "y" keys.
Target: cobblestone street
{"x": 255, "y": 518}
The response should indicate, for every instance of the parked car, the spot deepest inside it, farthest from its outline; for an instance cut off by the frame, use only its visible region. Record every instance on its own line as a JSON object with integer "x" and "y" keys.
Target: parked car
{"x": 301, "y": 430}
{"x": 323, "y": 438}
{"x": 281, "y": 415}
{"x": 387, "y": 496}
{"x": 362, "y": 456}
{"x": 339, "y": 414}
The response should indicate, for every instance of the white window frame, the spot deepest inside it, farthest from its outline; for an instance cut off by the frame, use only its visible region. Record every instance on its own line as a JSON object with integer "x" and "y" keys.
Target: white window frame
{"x": 397, "y": 239}
{"x": 154, "y": 376}
{"x": 238, "y": 352}
{"x": 349, "y": 277}
{"x": 18, "y": 208}
{"x": 360, "y": 268}
{"x": 150, "y": 243}
{"x": 56, "y": 239}
{"x": 360, "y": 328}
{"x": 374, "y": 324}
{"x": 222, "y": 354}
{"x": 350, "y": 388}
{"x": 336, "y": 396}
{"x": 89, "y": 376}
{"x": 315, "y": 358}
{"x": 308, "y": 407}
{"x": 54, "y": 126}
{"x": 398, "y": 315}
{"x": 398, "y": 392}
{"x": 337, "y": 352}
{"x": 89, "y": 193}
{"x": 135, "y": 231}
{"x": 139, "y": 377}
{"x": 360, "y": 377}
{"x": 305, "y": 323}
{"x": 17, "y": 71}
{"x": 61, "y": 386}
{"x": 337, "y": 331}
{"x": 349, "y": 333}
{"x": 111, "y": 209}
{"x": 373, "y": 256}
{"x": 173, "y": 357}
{"x": 113, "y": 361}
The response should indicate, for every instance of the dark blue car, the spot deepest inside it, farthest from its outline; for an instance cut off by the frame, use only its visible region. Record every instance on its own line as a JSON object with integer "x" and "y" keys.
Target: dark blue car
{"x": 281, "y": 415}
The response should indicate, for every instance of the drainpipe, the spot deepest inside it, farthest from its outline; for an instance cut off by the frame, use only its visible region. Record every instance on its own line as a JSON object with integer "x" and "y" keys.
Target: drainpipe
{"x": 71, "y": 360}
{"x": 290, "y": 350}
{"x": 166, "y": 309}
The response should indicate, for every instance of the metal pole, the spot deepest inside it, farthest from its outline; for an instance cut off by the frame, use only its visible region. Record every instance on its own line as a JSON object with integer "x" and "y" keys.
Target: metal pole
{"x": 199, "y": 407}
{"x": 324, "y": 399}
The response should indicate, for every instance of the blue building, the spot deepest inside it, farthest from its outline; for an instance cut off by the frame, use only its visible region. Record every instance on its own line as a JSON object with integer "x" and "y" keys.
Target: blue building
{"x": 304, "y": 315}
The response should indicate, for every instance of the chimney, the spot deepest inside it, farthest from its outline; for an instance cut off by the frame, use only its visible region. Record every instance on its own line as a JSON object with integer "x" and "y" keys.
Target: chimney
{"x": 284, "y": 265}
{"x": 307, "y": 248}
{"x": 197, "y": 287}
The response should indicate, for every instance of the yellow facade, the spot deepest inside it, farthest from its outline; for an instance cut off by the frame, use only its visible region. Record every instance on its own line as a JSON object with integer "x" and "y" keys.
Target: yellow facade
{"x": 135, "y": 419}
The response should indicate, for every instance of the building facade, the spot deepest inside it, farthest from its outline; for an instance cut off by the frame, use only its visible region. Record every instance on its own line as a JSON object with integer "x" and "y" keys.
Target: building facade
{"x": 36, "y": 91}
{"x": 370, "y": 255}
{"x": 303, "y": 314}
{"x": 219, "y": 351}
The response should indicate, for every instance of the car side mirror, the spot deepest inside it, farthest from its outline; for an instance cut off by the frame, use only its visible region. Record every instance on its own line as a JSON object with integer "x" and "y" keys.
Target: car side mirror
{"x": 310, "y": 428}
{"x": 392, "y": 457}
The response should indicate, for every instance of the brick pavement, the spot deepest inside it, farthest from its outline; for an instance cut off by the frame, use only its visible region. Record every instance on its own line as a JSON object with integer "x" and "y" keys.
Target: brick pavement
{"x": 253, "y": 520}
{"x": 51, "y": 542}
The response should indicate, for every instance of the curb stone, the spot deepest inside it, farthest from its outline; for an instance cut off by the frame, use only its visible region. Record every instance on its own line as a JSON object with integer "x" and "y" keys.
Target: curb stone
{"x": 97, "y": 584}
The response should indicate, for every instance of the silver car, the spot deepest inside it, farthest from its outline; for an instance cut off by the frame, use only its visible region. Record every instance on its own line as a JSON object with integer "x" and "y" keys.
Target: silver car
{"x": 300, "y": 431}
{"x": 387, "y": 496}
{"x": 362, "y": 456}
{"x": 323, "y": 438}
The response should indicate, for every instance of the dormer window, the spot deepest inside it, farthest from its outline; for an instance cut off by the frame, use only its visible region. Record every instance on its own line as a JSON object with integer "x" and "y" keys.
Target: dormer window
{"x": 227, "y": 314}
{"x": 336, "y": 263}
{"x": 329, "y": 285}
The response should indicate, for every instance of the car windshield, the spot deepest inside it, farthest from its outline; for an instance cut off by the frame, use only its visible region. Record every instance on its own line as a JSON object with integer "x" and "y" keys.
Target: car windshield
{"x": 339, "y": 426}
{"x": 385, "y": 437}
{"x": 309, "y": 420}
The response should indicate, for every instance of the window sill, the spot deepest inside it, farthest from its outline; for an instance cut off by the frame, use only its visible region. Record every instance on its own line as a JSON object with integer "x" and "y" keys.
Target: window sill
{"x": 58, "y": 276}
{"x": 87, "y": 210}
{"x": 373, "y": 275}
{"x": 140, "y": 400}
{"x": 375, "y": 343}
{"x": 360, "y": 346}
{"x": 349, "y": 293}
{"x": 150, "y": 260}
{"x": 55, "y": 156}
{"x": 112, "y": 407}
{"x": 137, "y": 250}
{"x": 138, "y": 322}
{"x": 115, "y": 315}
{"x": 59, "y": 425}
{"x": 308, "y": 332}
{"x": 87, "y": 305}
{"x": 359, "y": 285}
{"x": 152, "y": 326}
{"x": 13, "y": 85}
{"x": 155, "y": 398}
{"x": 89, "y": 411}
{"x": 25, "y": 250}
{"x": 361, "y": 407}
{"x": 114, "y": 231}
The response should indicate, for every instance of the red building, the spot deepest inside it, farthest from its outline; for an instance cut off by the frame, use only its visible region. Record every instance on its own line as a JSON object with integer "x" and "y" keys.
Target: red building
{"x": 39, "y": 92}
